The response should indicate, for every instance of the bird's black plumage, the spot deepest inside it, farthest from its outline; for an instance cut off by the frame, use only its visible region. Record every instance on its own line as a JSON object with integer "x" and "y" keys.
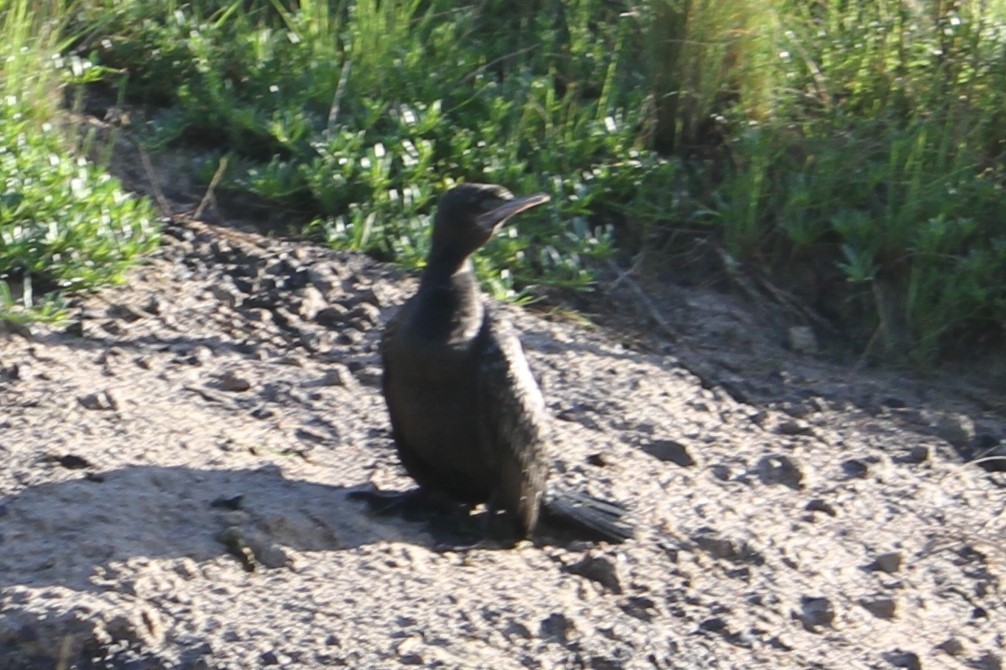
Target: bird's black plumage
{"x": 467, "y": 416}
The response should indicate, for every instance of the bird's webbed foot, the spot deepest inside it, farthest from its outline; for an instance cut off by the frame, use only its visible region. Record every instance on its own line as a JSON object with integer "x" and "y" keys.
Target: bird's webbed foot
{"x": 414, "y": 504}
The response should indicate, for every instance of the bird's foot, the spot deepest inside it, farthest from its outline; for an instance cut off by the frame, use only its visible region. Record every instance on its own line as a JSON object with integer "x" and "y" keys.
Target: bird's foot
{"x": 387, "y": 503}
{"x": 416, "y": 504}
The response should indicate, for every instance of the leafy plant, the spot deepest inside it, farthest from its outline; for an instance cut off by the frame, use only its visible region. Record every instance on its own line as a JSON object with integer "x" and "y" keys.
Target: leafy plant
{"x": 64, "y": 224}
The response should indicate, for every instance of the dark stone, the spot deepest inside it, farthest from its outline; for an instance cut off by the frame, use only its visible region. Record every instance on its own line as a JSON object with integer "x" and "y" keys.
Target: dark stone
{"x": 558, "y": 627}
{"x": 779, "y": 469}
{"x": 819, "y": 505}
{"x": 855, "y": 468}
{"x": 600, "y": 569}
{"x": 815, "y": 613}
{"x": 713, "y": 543}
{"x": 882, "y": 607}
{"x": 670, "y": 450}
{"x": 232, "y": 503}
{"x": 903, "y": 659}
{"x": 639, "y": 607}
{"x": 73, "y": 462}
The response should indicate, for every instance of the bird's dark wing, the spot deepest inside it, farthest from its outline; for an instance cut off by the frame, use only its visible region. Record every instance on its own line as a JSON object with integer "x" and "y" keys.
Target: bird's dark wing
{"x": 512, "y": 422}
{"x": 389, "y": 342}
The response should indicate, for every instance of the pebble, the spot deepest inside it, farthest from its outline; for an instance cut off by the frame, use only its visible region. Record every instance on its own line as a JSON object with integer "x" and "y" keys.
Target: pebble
{"x": 101, "y": 401}
{"x": 780, "y": 469}
{"x": 600, "y": 569}
{"x": 815, "y": 612}
{"x": 670, "y": 450}
{"x": 903, "y": 659}
{"x": 232, "y": 381}
{"x": 855, "y": 468}
{"x": 311, "y": 303}
{"x": 882, "y": 607}
{"x": 557, "y": 626}
{"x": 889, "y": 562}
{"x": 336, "y": 376}
{"x": 916, "y": 455}
{"x": 734, "y": 550}
{"x": 792, "y": 427}
{"x": 821, "y": 505}
{"x": 957, "y": 429}
{"x": 952, "y": 646}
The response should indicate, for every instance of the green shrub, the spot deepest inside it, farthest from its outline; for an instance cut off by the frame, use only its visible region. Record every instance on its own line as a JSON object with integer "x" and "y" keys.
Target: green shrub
{"x": 64, "y": 224}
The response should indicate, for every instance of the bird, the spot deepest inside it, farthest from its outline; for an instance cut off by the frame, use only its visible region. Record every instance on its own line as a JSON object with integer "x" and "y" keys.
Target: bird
{"x": 467, "y": 417}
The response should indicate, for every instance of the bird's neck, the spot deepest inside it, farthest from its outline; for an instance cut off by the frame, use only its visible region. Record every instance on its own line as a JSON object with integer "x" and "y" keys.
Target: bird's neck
{"x": 450, "y": 306}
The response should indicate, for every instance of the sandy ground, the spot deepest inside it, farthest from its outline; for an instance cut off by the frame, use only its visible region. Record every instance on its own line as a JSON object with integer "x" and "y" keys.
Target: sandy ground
{"x": 176, "y": 471}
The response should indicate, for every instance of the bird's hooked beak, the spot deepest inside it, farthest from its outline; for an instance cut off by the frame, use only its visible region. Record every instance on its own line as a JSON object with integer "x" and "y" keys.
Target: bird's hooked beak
{"x": 494, "y": 218}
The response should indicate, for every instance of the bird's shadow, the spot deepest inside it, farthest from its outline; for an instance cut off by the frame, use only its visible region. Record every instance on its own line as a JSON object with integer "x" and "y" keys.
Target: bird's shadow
{"x": 62, "y": 533}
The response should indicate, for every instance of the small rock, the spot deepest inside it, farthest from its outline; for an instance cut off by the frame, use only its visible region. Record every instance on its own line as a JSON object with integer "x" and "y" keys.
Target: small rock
{"x": 882, "y": 607}
{"x": 152, "y": 306}
{"x": 312, "y": 302}
{"x": 820, "y": 505}
{"x": 557, "y": 626}
{"x": 73, "y": 462}
{"x": 517, "y": 629}
{"x": 369, "y": 375}
{"x": 855, "y": 468}
{"x": 797, "y": 410}
{"x": 102, "y": 400}
{"x": 713, "y": 625}
{"x": 639, "y": 607}
{"x": 112, "y": 328}
{"x": 309, "y": 435}
{"x": 237, "y": 546}
{"x": 349, "y": 336}
{"x": 231, "y": 381}
{"x": 952, "y": 646}
{"x": 331, "y": 316}
{"x": 124, "y": 312}
{"x": 721, "y": 472}
{"x": 232, "y": 503}
{"x": 791, "y": 427}
{"x": 409, "y": 651}
{"x": 889, "y": 562}
{"x": 815, "y": 612}
{"x": 365, "y": 315}
{"x": 336, "y": 376}
{"x": 734, "y": 550}
{"x": 323, "y": 278}
{"x": 802, "y": 340}
{"x": 600, "y": 569}
{"x": 10, "y": 372}
{"x": 903, "y": 659}
{"x": 227, "y": 293}
{"x": 989, "y": 661}
{"x": 258, "y": 315}
{"x": 917, "y": 454}
{"x": 670, "y": 450}
{"x": 778, "y": 469}
{"x": 957, "y": 429}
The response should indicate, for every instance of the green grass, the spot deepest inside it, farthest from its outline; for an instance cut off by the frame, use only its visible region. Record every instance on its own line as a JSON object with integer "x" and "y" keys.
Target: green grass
{"x": 859, "y": 143}
{"x": 64, "y": 224}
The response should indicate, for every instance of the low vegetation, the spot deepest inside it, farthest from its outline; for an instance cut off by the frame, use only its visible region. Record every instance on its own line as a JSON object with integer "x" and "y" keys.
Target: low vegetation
{"x": 64, "y": 224}
{"x": 851, "y": 151}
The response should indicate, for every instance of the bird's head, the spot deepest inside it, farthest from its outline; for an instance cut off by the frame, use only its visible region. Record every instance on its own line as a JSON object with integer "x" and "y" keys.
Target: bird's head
{"x": 468, "y": 215}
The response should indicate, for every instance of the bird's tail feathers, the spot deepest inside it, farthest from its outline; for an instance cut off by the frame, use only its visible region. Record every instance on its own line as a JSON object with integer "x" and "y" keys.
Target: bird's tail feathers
{"x": 604, "y": 519}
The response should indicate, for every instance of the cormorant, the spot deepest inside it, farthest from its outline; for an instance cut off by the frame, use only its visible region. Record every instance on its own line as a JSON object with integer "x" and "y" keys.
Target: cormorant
{"x": 467, "y": 416}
